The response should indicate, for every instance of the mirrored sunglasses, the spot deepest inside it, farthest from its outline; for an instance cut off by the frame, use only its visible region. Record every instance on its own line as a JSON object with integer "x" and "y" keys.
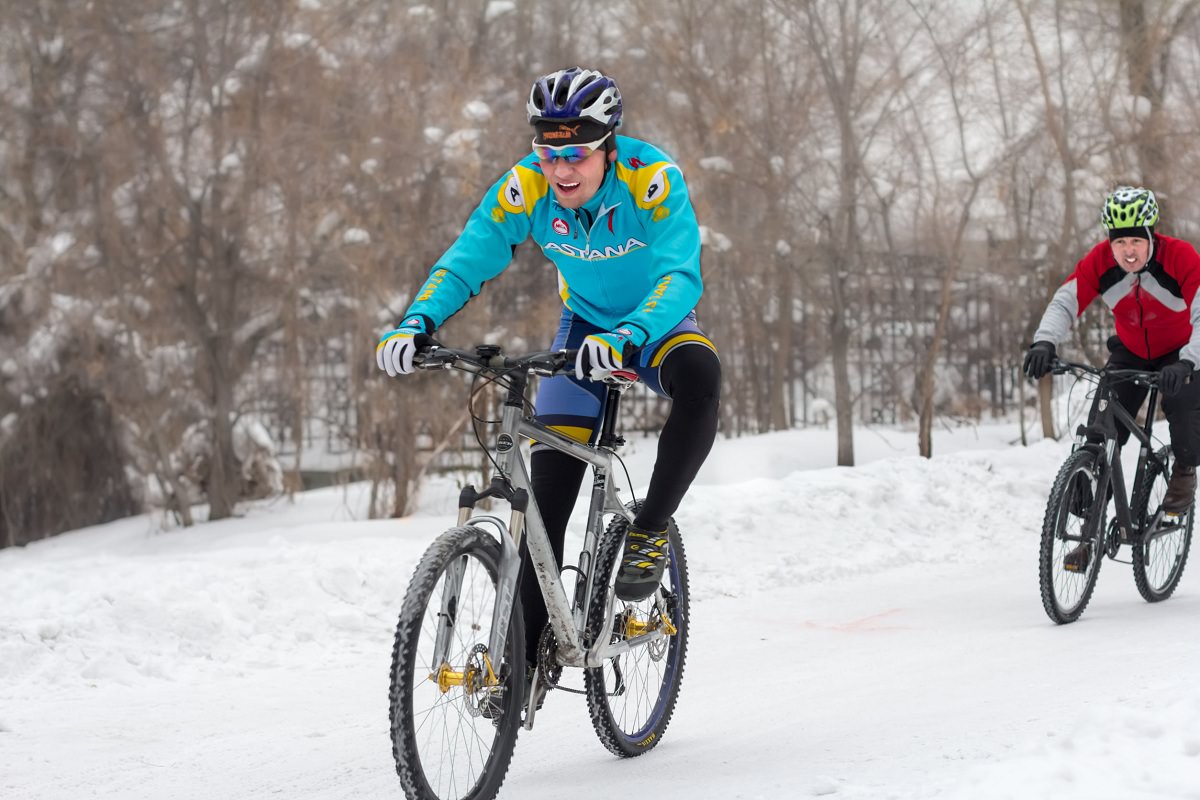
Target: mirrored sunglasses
{"x": 571, "y": 153}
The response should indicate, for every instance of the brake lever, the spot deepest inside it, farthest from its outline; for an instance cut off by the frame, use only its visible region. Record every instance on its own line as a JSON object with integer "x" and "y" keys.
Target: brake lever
{"x": 433, "y": 356}
{"x": 554, "y": 363}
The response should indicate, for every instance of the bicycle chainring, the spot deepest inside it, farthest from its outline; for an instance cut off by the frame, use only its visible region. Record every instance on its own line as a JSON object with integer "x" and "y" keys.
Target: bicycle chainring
{"x": 549, "y": 670}
{"x": 1112, "y": 539}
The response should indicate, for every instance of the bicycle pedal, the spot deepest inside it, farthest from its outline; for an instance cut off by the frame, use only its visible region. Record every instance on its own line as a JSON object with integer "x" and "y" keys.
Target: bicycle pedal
{"x": 1077, "y": 560}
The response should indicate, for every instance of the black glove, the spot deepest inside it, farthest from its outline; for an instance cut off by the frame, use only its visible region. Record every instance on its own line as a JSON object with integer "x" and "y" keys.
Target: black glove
{"x": 1172, "y": 377}
{"x": 1038, "y": 360}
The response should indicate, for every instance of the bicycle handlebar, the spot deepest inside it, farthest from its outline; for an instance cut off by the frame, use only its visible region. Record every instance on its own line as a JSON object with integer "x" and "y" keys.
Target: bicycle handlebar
{"x": 490, "y": 358}
{"x": 1144, "y": 377}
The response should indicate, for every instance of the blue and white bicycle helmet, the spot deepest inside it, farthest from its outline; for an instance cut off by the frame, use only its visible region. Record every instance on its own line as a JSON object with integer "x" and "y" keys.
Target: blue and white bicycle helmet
{"x": 575, "y": 94}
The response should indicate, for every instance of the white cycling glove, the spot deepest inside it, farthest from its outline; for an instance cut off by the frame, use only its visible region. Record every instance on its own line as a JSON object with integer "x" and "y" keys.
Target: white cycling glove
{"x": 396, "y": 349}
{"x": 607, "y": 352}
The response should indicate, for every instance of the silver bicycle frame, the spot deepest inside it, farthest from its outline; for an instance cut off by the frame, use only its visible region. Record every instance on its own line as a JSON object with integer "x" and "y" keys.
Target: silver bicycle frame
{"x": 567, "y": 623}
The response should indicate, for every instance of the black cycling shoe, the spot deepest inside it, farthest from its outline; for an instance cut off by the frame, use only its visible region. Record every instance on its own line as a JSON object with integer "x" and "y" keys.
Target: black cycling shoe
{"x": 642, "y": 563}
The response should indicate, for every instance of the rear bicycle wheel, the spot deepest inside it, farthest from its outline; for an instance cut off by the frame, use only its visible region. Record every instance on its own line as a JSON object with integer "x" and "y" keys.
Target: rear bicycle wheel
{"x": 1159, "y": 559}
{"x": 632, "y": 696}
{"x": 1067, "y": 574}
{"x": 453, "y": 728}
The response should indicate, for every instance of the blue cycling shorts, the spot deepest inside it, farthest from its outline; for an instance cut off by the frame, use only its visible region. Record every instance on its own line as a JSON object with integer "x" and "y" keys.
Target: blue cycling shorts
{"x": 573, "y": 407}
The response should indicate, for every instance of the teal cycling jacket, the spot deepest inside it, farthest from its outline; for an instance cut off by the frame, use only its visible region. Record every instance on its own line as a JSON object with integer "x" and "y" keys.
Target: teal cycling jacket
{"x": 629, "y": 256}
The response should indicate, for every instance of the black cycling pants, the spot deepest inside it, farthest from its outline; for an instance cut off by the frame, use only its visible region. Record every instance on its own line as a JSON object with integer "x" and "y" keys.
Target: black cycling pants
{"x": 691, "y": 377}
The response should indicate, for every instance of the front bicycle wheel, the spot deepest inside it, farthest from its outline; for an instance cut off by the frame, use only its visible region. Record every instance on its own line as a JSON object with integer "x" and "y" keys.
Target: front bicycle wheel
{"x": 1072, "y": 538}
{"x": 632, "y": 696}
{"x": 1161, "y": 555}
{"x": 455, "y": 717}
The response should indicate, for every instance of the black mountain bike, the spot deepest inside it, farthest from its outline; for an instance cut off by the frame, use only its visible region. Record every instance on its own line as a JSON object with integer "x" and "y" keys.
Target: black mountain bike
{"x": 460, "y": 687}
{"x": 1076, "y": 532}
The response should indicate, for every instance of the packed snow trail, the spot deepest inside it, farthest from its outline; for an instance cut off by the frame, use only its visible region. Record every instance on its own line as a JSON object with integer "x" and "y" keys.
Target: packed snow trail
{"x": 868, "y": 632}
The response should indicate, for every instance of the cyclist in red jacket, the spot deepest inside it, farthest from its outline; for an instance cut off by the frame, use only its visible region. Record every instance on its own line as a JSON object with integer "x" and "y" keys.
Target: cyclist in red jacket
{"x": 1149, "y": 281}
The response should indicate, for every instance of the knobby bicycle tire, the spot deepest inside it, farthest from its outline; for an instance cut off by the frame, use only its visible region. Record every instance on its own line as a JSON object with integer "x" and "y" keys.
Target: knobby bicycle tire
{"x": 1158, "y": 564}
{"x": 444, "y": 747}
{"x": 1065, "y": 594}
{"x": 631, "y": 697}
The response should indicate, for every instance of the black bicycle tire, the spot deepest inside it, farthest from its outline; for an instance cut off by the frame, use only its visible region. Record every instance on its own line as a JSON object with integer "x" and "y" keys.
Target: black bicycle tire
{"x": 628, "y": 744}
{"x": 1056, "y": 516}
{"x": 451, "y": 545}
{"x": 1140, "y": 566}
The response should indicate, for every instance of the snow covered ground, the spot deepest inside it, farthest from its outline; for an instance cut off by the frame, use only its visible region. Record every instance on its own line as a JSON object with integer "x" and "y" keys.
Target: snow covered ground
{"x": 867, "y": 632}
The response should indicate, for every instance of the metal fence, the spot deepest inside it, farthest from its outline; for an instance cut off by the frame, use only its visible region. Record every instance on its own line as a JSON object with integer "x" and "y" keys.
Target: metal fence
{"x": 893, "y": 311}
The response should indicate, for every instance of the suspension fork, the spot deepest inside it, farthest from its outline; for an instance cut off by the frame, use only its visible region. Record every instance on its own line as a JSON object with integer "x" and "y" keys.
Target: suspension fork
{"x": 509, "y": 536}
{"x": 449, "y": 610}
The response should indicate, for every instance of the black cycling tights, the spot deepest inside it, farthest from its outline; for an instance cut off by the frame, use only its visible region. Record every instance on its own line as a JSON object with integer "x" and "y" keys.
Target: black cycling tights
{"x": 691, "y": 377}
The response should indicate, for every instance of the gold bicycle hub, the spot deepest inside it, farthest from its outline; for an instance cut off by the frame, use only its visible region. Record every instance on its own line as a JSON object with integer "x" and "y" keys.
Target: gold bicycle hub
{"x": 469, "y": 678}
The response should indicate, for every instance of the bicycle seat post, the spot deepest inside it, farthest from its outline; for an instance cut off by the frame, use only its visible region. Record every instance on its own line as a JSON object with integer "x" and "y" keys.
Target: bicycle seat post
{"x": 612, "y": 407}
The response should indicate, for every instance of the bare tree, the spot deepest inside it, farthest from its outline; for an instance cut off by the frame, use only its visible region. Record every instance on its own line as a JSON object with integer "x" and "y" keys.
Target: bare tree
{"x": 1146, "y": 34}
{"x": 859, "y": 91}
{"x": 210, "y": 210}
{"x": 956, "y": 61}
{"x": 1058, "y": 119}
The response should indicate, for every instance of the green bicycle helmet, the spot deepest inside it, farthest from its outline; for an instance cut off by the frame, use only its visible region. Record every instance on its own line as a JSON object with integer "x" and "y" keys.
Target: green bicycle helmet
{"x": 1129, "y": 207}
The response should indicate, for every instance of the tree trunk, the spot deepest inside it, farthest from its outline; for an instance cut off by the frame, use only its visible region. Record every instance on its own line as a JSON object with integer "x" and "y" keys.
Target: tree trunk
{"x": 781, "y": 350}
{"x": 843, "y": 404}
{"x": 1021, "y": 408}
{"x": 1045, "y": 403}
{"x": 1142, "y": 48}
{"x": 928, "y": 371}
{"x": 223, "y": 472}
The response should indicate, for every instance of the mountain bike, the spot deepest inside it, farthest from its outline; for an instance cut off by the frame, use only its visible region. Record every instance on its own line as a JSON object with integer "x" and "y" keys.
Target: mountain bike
{"x": 1076, "y": 534}
{"x": 460, "y": 685}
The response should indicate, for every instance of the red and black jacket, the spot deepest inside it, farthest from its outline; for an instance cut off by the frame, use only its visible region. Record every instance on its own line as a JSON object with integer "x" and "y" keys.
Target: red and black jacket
{"x": 1153, "y": 308}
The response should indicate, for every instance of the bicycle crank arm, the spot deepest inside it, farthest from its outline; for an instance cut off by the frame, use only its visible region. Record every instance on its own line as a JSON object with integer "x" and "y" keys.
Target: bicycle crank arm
{"x": 1161, "y": 527}
{"x": 599, "y": 655}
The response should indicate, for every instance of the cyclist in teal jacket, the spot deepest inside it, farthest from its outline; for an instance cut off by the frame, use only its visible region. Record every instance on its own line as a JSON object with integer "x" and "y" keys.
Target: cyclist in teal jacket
{"x": 627, "y": 256}
{"x": 612, "y": 214}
